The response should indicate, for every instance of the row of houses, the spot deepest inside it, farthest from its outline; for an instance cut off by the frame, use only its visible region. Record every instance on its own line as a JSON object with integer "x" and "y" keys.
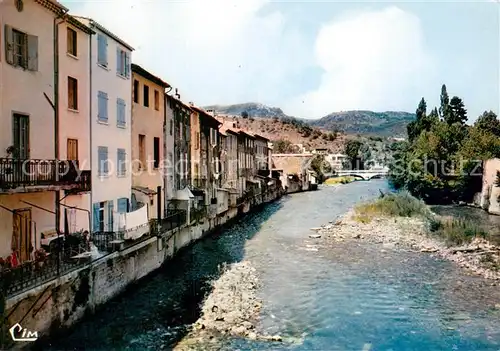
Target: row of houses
{"x": 95, "y": 143}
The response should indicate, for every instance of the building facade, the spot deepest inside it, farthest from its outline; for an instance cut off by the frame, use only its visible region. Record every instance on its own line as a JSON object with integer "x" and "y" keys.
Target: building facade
{"x": 179, "y": 171}
{"x": 262, "y": 153}
{"x": 31, "y": 171}
{"x": 148, "y": 113}
{"x": 74, "y": 117}
{"x": 111, "y": 97}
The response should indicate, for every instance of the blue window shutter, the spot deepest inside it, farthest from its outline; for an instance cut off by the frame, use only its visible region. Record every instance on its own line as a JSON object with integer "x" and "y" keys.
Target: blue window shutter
{"x": 95, "y": 217}
{"x": 118, "y": 61}
{"x": 110, "y": 216}
{"x": 102, "y": 106}
{"x": 102, "y": 157}
{"x": 120, "y": 112}
{"x": 102, "y": 50}
{"x": 105, "y": 108}
{"x": 127, "y": 64}
{"x": 122, "y": 205}
{"x": 121, "y": 167}
{"x": 105, "y": 156}
{"x": 99, "y": 48}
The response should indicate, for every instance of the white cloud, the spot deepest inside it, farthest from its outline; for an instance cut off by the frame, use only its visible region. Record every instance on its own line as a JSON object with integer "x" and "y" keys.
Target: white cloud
{"x": 218, "y": 51}
{"x": 371, "y": 60}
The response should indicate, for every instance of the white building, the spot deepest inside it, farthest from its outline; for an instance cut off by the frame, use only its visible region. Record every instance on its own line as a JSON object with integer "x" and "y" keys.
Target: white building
{"x": 336, "y": 161}
{"x": 111, "y": 107}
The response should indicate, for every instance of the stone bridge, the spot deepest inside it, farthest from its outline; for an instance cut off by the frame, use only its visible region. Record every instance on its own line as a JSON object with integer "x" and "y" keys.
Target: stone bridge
{"x": 363, "y": 174}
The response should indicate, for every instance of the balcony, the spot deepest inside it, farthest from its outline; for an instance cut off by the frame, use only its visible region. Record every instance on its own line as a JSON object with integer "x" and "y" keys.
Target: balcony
{"x": 19, "y": 175}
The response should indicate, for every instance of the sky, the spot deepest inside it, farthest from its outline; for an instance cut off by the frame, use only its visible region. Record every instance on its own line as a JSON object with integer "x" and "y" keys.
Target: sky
{"x": 311, "y": 58}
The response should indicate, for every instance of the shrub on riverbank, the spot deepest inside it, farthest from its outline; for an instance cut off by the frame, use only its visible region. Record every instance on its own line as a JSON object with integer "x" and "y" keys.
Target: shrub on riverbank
{"x": 455, "y": 231}
{"x": 339, "y": 180}
{"x": 401, "y": 204}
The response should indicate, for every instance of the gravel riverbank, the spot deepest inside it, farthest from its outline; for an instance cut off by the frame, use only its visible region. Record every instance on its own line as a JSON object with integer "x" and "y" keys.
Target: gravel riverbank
{"x": 480, "y": 256}
{"x": 231, "y": 309}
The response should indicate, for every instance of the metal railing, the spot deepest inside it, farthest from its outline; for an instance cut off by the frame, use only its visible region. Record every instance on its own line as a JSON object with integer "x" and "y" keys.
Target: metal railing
{"x": 31, "y": 274}
{"x": 173, "y": 220}
{"x": 35, "y": 172}
{"x": 104, "y": 240}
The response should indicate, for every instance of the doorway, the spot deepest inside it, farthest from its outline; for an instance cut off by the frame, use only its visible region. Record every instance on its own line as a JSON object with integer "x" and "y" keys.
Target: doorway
{"x": 21, "y": 234}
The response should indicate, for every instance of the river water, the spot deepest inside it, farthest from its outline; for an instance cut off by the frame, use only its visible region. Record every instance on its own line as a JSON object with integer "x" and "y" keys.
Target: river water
{"x": 351, "y": 296}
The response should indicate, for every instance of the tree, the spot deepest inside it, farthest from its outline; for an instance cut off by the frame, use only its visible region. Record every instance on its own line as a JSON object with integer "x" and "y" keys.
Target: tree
{"x": 445, "y": 101}
{"x": 283, "y": 146}
{"x": 414, "y": 128}
{"x": 457, "y": 112}
{"x": 244, "y": 114}
{"x": 352, "y": 150}
{"x": 488, "y": 122}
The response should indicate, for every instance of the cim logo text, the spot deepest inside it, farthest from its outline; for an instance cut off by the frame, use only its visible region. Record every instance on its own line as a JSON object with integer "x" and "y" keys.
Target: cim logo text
{"x": 19, "y": 333}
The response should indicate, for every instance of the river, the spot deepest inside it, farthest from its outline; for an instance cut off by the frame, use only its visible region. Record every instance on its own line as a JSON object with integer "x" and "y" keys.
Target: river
{"x": 349, "y": 297}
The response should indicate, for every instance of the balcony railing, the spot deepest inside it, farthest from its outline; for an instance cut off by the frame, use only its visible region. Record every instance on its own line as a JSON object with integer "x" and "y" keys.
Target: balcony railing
{"x": 173, "y": 220}
{"x": 15, "y": 173}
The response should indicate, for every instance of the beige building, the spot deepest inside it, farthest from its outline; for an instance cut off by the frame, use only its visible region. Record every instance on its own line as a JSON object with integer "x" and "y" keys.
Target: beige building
{"x": 74, "y": 117}
{"x": 30, "y": 104}
{"x": 490, "y": 193}
{"x": 148, "y": 114}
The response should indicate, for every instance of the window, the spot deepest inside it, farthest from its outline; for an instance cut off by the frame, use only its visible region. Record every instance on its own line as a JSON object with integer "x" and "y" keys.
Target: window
{"x": 122, "y": 205}
{"x": 197, "y": 141}
{"x": 136, "y": 91}
{"x": 171, "y": 127}
{"x": 102, "y": 106}
{"x": 72, "y": 93}
{"x": 213, "y": 136}
{"x": 142, "y": 151}
{"x": 101, "y": 210}
{"x": 156, "y": 152}
{"x": 121, "y": 118}
{"x": 157, "y": 100}
{"x": 72, "y": 42}
{"x": 21, "y": 49}
{"x": 146, "y": 95}
{"x": 102, "y": 50}
{"x": 122, "y": 63}
{"x": 21, "y": 136}
{"x": 102, "y": 158}
{"x": 121, "y": 168}
{"x": 72, "y": 149}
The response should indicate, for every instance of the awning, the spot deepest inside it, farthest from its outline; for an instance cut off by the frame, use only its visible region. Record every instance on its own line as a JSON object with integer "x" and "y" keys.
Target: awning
{"x": 144, "y": 190}
{"x": 184, "y": 194}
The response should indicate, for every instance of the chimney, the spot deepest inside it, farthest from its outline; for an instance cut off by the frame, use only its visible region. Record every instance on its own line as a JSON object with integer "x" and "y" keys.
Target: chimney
{"x": 191, "y": 103}
{"x": 177, "y": 94}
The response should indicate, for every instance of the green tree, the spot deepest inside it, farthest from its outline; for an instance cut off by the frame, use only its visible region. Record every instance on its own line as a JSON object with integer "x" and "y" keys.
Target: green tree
{"x": 283, "y": 146}
{"x": 457, "y": 112}
{"x": 244, "y": 114}
{"x": 488, "y": 122}
{"x": 445, "y": 103}
{"x": 352, "y": 150}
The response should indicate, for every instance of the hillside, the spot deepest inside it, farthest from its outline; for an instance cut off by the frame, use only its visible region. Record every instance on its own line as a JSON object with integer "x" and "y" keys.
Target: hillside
{"x": 292, "y": 131}
{"x": 390, "y": 123}
{"x": 253, "y": 109}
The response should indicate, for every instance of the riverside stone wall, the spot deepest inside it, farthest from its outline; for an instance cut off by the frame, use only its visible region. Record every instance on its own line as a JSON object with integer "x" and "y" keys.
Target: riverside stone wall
{"x": 62, "y": 302}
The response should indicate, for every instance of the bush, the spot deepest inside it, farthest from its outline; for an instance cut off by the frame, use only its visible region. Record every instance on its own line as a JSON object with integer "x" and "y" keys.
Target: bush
{"x": 456, "y": 231}
{"x": 401, "y": 204}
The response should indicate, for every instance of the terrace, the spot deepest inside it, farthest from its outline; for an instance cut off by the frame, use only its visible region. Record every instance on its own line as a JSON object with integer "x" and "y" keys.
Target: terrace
{"x": 29, "y": 175}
